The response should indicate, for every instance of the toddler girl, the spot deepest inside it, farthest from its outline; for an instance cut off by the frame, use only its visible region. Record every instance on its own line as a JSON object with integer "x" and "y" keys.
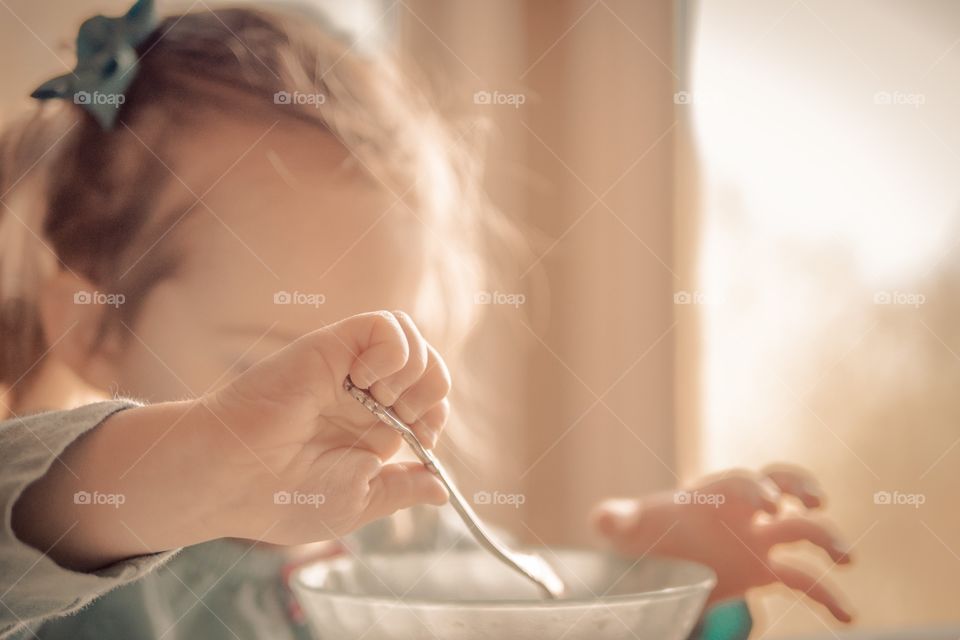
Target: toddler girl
{"x": 204, "y": 222}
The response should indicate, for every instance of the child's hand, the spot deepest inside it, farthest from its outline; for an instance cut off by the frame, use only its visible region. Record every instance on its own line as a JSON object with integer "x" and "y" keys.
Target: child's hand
{"x": 282, "y": 454}
{"x": 305, "y": 459}
{"x": 715, "y": 524}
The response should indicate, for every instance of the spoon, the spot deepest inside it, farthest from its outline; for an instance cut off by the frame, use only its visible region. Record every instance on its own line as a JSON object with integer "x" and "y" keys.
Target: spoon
{"x": 531, "y": 566}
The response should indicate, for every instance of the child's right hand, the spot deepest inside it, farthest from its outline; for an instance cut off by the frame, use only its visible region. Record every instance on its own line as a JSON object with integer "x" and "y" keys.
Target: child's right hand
{"x": 305, "y": 461}
{"x": 282, "y": 454}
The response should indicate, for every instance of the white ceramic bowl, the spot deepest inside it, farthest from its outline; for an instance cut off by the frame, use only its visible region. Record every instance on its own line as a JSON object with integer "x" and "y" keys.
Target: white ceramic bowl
{"x": 469, "y": 595}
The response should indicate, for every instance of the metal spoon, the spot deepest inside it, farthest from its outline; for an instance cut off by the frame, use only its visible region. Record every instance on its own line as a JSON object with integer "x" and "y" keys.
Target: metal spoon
{"x": 531, "y": 566}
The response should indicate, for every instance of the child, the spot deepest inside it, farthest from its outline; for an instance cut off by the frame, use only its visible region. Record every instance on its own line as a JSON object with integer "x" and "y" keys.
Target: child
{"x": 231, "y": 181}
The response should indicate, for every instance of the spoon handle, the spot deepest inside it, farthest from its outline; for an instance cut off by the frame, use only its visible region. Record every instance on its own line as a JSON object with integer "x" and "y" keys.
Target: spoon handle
{"x": 459, "y": 503}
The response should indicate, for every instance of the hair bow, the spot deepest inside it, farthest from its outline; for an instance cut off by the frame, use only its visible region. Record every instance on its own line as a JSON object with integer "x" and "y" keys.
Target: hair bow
{"x": 107, "y": 63}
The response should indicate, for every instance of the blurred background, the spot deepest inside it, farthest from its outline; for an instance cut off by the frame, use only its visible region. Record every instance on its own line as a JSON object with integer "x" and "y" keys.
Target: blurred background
{"x": 745, "y": 249}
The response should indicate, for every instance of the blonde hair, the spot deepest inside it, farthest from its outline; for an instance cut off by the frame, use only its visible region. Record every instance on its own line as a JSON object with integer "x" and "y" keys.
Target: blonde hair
{"x": 89, "y": 203}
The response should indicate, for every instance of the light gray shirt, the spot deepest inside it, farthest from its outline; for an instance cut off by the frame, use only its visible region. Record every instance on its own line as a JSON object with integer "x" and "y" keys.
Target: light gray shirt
{"x": 225, "y": 589}
{"x": 34, "y": 588}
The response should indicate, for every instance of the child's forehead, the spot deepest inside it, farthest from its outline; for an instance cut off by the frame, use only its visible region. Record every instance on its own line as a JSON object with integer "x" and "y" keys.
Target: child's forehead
{"x": 261, "y": 149}
{"x": 291, "y": 197}
{"x": 271, "y": 172}
{"x": 264, "y": 206}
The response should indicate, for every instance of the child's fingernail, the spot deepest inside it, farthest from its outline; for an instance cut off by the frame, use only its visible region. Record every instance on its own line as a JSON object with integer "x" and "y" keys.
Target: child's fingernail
{"x": 812, "y": 490}
{"x": 842, "y": 549}
{"x": 384, "y": 394}
{"x": 614, "y": 515}
{"x": 769, "y": 497}
{"x": 768, "y": 505}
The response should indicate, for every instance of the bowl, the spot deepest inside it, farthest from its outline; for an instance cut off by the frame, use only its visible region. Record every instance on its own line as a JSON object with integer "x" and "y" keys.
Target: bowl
{"x": 469, "y": 595}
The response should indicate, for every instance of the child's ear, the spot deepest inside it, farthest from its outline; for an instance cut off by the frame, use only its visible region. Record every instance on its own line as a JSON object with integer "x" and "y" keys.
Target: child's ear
{"x": 73, "y": 313}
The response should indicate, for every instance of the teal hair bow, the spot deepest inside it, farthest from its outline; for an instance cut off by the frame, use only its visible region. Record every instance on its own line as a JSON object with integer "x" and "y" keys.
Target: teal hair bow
{"x": 107, "y": 63}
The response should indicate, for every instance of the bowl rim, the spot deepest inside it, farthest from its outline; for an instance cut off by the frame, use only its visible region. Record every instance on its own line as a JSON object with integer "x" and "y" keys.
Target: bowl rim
{"x": 704, "y": 584}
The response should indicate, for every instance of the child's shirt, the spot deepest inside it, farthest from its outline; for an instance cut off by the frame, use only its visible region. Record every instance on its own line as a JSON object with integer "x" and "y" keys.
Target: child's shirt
{"x": 229, "y": 589}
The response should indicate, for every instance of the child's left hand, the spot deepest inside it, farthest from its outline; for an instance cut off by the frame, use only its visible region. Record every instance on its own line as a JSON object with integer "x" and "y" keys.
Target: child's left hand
{"x": 715, "y": 523}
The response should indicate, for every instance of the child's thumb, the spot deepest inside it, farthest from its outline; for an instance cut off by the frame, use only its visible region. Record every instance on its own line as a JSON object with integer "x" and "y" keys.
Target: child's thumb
{"x": 402, "y": 485}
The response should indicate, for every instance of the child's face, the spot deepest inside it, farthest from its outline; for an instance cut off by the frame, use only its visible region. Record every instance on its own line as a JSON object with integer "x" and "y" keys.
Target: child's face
{"x": 286, "y": 240}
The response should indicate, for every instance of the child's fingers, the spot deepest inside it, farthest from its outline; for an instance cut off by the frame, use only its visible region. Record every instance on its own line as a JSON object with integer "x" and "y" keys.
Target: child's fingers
{"x": 430, "y": 424}
{"x": 375, "y": 345}
{"x": 616, "y": 517}
{"x": 812, "y": 588}
{"x": 387, "y": 390}
{"x": 745, "y": 496}
{"x": 803, "y": 529}
{"x": 796, "y": 482}
{"x": 426, "y": 392}
{"x": 400, "y": 486}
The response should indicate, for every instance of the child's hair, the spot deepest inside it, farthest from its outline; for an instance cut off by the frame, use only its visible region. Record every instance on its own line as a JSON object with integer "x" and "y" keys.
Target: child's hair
{"x": 74, "y": 194}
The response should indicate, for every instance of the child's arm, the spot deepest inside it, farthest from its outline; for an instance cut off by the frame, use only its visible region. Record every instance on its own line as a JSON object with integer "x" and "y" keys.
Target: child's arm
{"x": 730, "y": 523}
{"x": 282, "y": 454}
{"x": 34, "y": 586}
